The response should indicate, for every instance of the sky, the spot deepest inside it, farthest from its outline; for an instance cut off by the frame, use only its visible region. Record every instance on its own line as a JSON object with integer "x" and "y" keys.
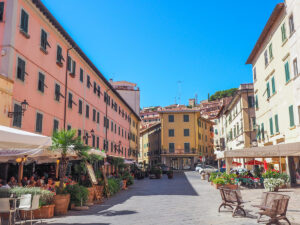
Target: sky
{"x": 172, "y": 49}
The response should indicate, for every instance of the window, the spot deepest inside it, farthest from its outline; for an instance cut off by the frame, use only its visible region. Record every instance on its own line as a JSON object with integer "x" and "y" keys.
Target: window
{"x": 171, "y": 118}
{"x": 270, "y": 52}
{"x": 254, "y": 74}
{"x": 98, "y": 117}
{"x": 95, "y": 87}
{"x": 70, "y": 100}
{"x": 250, "y": 101}
{"x": 69, "y": 127}
{"x": 171, "y": 147}
{"x": 98, "y": 91}
{"x": 287, "y": 71}
{"x": 115, "y": 128}
{"x": 87, "y": 111}
{"x": 17, "y": 120}
{"x": 112, "y": 126}
{"x": 1, "y": 10}
{"x": 283, "y": 33}
{"x": 276, "y": 124}
{"x": 186, "y": 147}
{"x": 80, "y": 106}
{"x": 44, "y": 40}
{"x": 55, "y": 125}
{"x": 81, "y": 75}
{"x": 171, "y": 132}
{"x": 73, "y": 72}
{"x": 256, "y": 101}
{"x": 291, "y": 113}
{"x": 271, "y": 126}
{"x": 59, "y": 57}
{"x": 266, "y": 57}
{"x": 86, "y": 139}
{"x": 88, "y": 81}
{"x": 291, "y": 24}
{"x": 24, "y": 21}
{"x": 262, "y": 131}
{"x": 119, "y": 130}
{"x": 39, "y": 123}
{"x": 186, "y": 132}
{"x": 57, "y": 92}
{"x": 69, "y": 63}
{"x": 186, "y": 118}
{"x": 295, "y": 65}
{"x": 98, "y": 142}
{"x": 79, "y": 133}
{"x": 273, "y": 85}
{"x": 21, "y": 69}
{"x": 94, "y": 115}
{"x": 41, "y": 82}
{"x": 268, "y": 90}
{"x": 93, "y": 140}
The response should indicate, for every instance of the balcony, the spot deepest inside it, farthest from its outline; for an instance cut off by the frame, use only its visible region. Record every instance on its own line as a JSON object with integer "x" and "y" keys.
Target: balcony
{"x": 179, "y": 152}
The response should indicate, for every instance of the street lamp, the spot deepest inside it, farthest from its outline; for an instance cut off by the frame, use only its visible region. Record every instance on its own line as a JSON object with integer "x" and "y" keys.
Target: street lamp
{"x": 24, "y": 106}
{"x": 86, "y": 136}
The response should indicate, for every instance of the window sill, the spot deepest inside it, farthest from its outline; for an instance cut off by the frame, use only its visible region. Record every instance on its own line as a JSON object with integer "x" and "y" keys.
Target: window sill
{"x": 292, "y": 128}
{"x": 72, "y": 74}
{"x": 288, "y": 82}
{"x": 266, "y": 65}
{"x": 284, "y": 42}
{"x": 44, "y": 50}
{"x": 292, "y": 33}
{"x": 60, "y": 64}
{"x": 26, "y": 35}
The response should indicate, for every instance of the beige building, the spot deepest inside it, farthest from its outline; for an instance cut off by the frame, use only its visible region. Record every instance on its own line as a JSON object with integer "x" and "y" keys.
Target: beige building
{"x": 186, "y": 138}
{"x": 6, "y": 91}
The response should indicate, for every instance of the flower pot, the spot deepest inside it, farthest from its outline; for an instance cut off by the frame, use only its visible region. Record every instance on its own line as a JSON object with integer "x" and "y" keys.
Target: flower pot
{"x": 91, "y": 195}
{"x": 124, "y": 187}
{"x": 45, "y": 212}
{"x": 61, "y": 203}
{"x": 170, "y": 175}
{"x": 202, "y": 176}
{"x": 231, "y": 186}
{"x": 217, "y": 186}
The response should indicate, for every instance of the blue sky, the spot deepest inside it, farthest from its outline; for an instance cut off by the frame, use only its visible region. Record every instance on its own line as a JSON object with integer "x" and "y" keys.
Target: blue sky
{"x": 170, "y": 48}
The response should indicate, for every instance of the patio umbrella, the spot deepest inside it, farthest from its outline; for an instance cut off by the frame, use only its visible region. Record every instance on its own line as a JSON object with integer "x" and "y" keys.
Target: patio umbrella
{"x": 236, "y": 163}
{"x": 265, "y": 165}
{"x": 254, "y": 162}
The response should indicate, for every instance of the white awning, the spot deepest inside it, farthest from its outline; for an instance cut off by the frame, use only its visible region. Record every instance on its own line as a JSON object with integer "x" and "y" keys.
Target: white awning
{"x": 14, "y": 142}
{"x": 97, "y": 152}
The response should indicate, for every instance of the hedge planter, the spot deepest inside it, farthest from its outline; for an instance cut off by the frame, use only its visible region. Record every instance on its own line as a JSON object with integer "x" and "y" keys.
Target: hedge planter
{"x": 45, "y": 212}
{"x": 61, "y": 203}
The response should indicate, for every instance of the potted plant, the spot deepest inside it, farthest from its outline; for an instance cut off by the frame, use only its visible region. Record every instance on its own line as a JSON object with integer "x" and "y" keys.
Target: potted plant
{"x": 78, "y": 196}
{"x": 63, "y": 141}
{"x": 156, "y": 172}
{"x": 170, "y": 174}
{"x": 127, "y": 180}
{"x": 273, "y": 179}
{"x": 114, "y": 186}
{"x": 218, "y": 182}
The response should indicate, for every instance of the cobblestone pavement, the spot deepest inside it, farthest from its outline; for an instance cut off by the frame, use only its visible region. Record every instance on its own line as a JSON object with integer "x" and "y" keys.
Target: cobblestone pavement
{"x": 184, "y": 200}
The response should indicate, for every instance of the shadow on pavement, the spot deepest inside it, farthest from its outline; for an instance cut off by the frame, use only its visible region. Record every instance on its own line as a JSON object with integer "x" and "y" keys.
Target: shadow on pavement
{"x": 116, "y": 213}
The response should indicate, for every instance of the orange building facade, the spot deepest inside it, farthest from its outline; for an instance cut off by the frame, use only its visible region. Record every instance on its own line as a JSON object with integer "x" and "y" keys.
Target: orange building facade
{"x": 63, "y": 88}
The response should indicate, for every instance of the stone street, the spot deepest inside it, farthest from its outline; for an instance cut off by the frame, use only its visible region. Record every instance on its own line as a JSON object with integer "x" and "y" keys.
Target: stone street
{"x": 186, "y": 199}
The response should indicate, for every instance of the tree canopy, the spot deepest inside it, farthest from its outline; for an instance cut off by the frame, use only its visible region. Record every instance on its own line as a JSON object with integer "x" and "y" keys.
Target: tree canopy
{"x": 222, "y": 94}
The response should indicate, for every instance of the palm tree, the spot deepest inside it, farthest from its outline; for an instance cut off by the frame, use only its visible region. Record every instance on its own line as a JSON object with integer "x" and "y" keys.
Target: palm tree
{"x": 63, "y": 141}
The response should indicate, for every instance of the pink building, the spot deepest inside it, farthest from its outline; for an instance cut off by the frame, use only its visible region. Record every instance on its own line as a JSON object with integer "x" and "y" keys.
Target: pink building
{"x": 63, "y": 87}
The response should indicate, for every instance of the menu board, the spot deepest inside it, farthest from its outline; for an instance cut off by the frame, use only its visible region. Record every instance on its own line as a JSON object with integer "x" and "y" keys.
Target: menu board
{"x": 91, "y": 173}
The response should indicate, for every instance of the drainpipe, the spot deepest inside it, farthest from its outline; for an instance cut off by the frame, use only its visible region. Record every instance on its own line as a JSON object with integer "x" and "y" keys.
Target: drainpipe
{"x": 66, "y": 88}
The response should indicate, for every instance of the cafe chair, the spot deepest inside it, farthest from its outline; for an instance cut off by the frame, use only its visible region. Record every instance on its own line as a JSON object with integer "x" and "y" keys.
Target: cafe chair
{"x": 34, "y": 204}
{"x": 25, "y": 204}
{"x": 5, "y": 207}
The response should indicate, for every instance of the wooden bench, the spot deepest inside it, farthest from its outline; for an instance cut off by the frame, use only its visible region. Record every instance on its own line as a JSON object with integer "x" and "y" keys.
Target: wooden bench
{"x": 273, "y": 205}
{"x": 232, "y": 199}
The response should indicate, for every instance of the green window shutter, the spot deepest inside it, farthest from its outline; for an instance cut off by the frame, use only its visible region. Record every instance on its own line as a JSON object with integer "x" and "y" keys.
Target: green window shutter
{"x": 291, "y": 112}
{"x": 256, "y": 101}
{"x": 41, "y": 82}
{"x": 262, "y": 131}
{"x": 273, "y": 85}
{"x": 24, "y": 21}
{"x": 1, "y": 10}
{"x": 268, "y": 90}
{"x": 270, "y": 51}
{"x": 258, "y": 132}
{"x": 271, "y": 126}
{"x": 276, "y": 124}
{"x": 287, "y": 71}
{"x": 283, "y": 32}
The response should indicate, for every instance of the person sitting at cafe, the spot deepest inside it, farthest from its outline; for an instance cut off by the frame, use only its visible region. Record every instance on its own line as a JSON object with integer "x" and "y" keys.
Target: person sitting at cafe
{"x": 4, "y": 184}
{"x": 32, "y": 181}
{"x": 50, "y": 186}
{"x": 39, "y": 183}
{"x": 24, "y": 181}
{"x": 12, "y": 182}
{"x": 42, "y": 180}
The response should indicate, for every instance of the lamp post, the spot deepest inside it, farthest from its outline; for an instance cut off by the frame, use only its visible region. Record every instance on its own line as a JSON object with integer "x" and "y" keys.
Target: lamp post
{"x": 86, "y": 136}
{"x": 24, "y": 106}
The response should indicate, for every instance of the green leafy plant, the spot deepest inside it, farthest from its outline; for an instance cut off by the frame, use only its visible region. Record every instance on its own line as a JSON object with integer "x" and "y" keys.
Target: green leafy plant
{"x": 78, "y": 194}
{"x": 129, "y": 179}
{"x": 64, "y": 141}
{"x": 114, "y": 186}
{"x": 219, "y": 181}
{"x": 46, "y": 197}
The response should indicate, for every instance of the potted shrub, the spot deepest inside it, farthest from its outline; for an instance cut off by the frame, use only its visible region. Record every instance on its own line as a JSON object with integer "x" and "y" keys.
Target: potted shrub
{"x": 170, "y": 174}
{"x": 78, "y": 196}
{"x": 273, "y": 179}
{"x": 127, "y": 180}
{"x": 156, "y": 172}
{"x": 114, "y": 186}
{"x": 63, "y": 141}
{"x": 218, "y": 182}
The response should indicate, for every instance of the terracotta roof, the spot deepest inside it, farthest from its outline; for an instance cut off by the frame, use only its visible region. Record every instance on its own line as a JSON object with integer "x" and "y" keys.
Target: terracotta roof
{"x": 276, "y": 12}
{"x": 64, "y": 33}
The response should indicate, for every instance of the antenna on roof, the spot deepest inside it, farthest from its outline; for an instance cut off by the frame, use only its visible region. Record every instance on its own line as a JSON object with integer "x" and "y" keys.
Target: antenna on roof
{"x": 179, "y": 91}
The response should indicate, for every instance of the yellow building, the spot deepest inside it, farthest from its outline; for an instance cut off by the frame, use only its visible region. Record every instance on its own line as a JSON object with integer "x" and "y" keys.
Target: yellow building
{"x": 186, "y": 138}
{"x": 150, "y": 144}
{"x": 6, "y": 90}
{"x": 134, "y": 138}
